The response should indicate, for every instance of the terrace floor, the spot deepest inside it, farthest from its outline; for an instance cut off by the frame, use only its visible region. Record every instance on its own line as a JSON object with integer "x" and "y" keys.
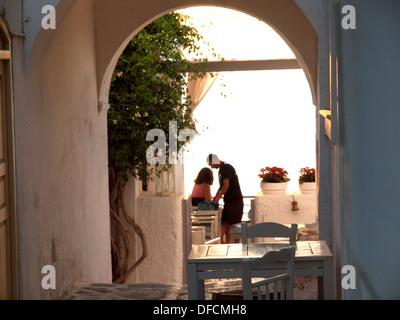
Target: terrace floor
{"x": 305, "y": 288}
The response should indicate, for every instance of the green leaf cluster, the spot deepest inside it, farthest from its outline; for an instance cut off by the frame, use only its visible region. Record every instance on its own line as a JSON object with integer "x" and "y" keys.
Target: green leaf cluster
{"x": 148, "y": 90}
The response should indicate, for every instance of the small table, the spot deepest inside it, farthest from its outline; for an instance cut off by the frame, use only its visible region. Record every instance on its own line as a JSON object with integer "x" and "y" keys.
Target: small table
{"x": 221, "y": 261}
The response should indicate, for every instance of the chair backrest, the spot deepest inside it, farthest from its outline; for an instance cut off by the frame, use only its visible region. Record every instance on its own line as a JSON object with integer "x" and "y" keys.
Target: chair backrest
{"x": 281, "y": 284}
{"x": 269, "y": 229}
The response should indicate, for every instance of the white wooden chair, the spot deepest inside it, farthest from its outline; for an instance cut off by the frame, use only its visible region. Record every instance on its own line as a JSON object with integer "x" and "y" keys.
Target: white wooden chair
{"x": 207, "y": 217}
{"x": 198, "y": 235}
{"x": 269, "y": 229}
{"x": 279, "y": 286}
{"x": 205, "y": 221}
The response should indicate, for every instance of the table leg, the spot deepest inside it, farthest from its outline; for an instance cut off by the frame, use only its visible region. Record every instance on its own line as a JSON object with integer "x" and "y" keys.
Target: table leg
{"x": 320, "y": 288}
{"x": 328, "y": 280}
{"x": 194, "y": 285}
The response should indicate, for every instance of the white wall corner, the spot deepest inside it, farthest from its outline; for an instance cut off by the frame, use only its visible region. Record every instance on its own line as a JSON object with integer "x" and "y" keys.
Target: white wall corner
{"x": 103, "y": 106}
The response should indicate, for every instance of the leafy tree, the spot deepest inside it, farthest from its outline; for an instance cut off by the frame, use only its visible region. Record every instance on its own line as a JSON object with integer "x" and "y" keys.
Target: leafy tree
{"x": 148, "y": 90}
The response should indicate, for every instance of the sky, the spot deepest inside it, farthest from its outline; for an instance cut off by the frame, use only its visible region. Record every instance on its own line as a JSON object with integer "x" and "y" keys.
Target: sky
{"x": 251, "y": 119}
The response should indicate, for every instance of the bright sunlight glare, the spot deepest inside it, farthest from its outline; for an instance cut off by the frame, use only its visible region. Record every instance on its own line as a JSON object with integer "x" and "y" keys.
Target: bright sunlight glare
{"x": 251, "y": 119}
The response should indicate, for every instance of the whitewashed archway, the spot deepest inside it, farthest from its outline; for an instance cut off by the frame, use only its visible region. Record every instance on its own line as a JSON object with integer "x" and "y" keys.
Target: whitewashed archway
{"x": 68, "y": 79}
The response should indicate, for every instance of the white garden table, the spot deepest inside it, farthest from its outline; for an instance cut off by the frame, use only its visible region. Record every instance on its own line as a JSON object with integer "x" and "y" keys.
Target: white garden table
{"x": 222, "y": 261}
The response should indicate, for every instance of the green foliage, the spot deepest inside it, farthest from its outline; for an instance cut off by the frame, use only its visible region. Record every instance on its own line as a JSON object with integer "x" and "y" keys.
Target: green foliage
{"x": 148, "y": 90}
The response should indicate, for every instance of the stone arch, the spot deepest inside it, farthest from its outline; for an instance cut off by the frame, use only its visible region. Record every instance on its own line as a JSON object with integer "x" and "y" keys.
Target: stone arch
{"x": 284, "y": 16}
{"x": 116, "y": 22}
{"x": 68, "y": 75}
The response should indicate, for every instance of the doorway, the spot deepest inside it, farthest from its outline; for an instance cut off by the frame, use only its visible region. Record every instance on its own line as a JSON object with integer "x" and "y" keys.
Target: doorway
{"x": 137, "y": 216}
{"x": 8, "y": 251}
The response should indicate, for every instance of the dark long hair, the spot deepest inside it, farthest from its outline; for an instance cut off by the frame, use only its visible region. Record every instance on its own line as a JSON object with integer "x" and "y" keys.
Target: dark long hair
{"x": 205, "y": 175}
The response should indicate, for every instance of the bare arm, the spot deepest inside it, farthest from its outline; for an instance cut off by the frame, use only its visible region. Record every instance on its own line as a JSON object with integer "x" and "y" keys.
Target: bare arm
{"x": 222, "y": 191}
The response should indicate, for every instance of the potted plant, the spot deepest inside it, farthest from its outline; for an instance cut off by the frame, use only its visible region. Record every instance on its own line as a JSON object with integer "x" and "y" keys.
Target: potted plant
{"x": 273, "y": 179}
{"x": 307, "y": 180}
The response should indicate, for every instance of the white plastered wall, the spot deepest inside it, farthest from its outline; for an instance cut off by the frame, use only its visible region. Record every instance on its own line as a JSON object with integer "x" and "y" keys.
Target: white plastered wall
{"x": 61, "y": 151}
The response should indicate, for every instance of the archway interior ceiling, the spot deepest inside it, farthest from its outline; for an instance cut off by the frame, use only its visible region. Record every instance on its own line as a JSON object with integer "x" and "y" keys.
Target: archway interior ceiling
{"x": 116, "y": 22}
{"x": 283, "y": 16}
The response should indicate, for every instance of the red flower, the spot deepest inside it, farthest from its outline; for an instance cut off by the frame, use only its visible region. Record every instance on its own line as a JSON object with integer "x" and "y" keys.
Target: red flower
{"x": 273, "y": 174}
{"x": 307, "y": 175}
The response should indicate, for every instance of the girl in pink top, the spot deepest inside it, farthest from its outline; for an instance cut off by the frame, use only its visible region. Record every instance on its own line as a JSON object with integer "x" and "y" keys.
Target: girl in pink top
{"x": 202, "y": 187}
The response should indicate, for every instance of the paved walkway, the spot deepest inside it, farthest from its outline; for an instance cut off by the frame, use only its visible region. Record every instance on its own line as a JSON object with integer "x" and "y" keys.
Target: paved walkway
{"x": 305, "y": 288}
{"x": 145, "y": 291}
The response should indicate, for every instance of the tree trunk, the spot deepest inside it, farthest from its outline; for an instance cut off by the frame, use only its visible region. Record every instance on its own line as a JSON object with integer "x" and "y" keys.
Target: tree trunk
{"x": 121, "y": 239}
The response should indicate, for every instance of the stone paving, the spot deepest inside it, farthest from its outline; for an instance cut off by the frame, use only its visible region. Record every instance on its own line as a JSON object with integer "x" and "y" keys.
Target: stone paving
{"x": 145, "y": 291}
{"x": 305, "y": 288}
